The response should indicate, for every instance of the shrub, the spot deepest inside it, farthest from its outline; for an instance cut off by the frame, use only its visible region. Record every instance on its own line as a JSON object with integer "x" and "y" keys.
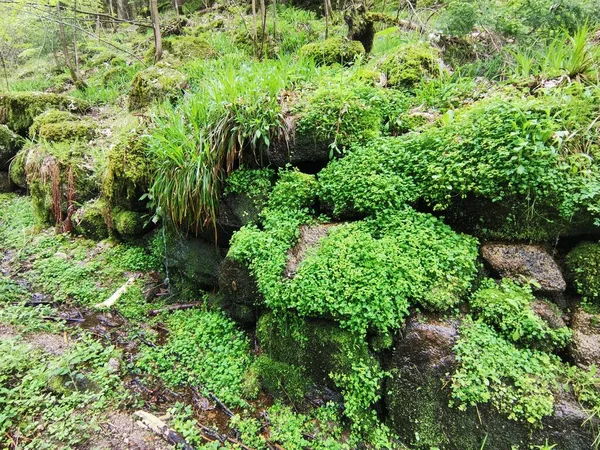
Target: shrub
{"x": 507, "y": 307}
{"x": 333, "y": 50}
{"x": 583, "y": 265}
{"x": 155, "y": 84}
{"x": 409, "y": 64}
{"x": 517, "y": 382}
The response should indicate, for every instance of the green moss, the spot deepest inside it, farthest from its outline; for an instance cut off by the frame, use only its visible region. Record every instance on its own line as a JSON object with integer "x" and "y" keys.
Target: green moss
{"x": 82, "y": 130}
{"x": 184, "y": 48}
{"x": 281, "y": 379}
{"x": 10, "y": 143}
{"x": 128, "y": 172}
{"x": 583, "y": 265}
{"x": 18, "y": 175}
{"x": 48, "y": 117}
{"x": 334, "y": 50}
{"x": 127, "y": 223}
{"x": 18, "y": 109}
{"x": 59, "y": 175}
{"x": 507, "y": 307}
{"x": 409, "y": 64}
{"x": 155, "y": 84}
{"x": 89, "y": 220}
{"x": 328, "y": 355}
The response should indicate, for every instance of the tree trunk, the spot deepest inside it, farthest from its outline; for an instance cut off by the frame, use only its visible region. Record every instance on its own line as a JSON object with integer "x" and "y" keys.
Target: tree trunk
{"x": 65, "y": 47}
{"x": 156, "y": 29}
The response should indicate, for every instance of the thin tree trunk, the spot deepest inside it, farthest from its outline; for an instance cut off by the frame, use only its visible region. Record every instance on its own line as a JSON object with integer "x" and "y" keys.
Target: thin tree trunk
{"x": 255, "y": 28}
{"x": 65, "y": 46}
{"x": 263, "y": 12}
{"x": 75, "y": 52}
{"x": 5, "y": 71}
{"x": 275, "y": 20}
{"x": 156, "y": 29}
{"x": 326, "y": 5}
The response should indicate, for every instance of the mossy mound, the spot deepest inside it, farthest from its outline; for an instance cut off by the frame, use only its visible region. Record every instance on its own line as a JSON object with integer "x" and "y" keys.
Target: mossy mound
{"x": 128, "y": 172}
{"x": 583, "y": 265}
{"x": 18, "y": 175}
{"x": 184, "y": 48}
{"x": 311, "y": 348}
{"x": 127, "y": 224}
{"x": 155, "y": 84}
{"x": 59, "y": 175}
{"x": 335, "y": 50}
{"x": 49, "y": 117}
{"x": 10, "y": 143}
{"x": 409, "y": 64}
{"x": 81, "y": 130}
{"x": 18, "y": 109}
{"x": 89, "y": 220}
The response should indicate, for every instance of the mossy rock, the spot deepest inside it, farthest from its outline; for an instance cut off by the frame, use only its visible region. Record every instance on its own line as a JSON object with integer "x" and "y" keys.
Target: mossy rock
{"x": 319, "y": 347}
{"x": 280, "y": 379}
{"x": 155, "y": 84}
{"x": 49, "y": 117}
{"x": 195, "y": 260}
{"x": 128, "y": 224}
{"x": 409, "y": 64}
{"x": 583, "y": 269}
{"x": 18, "y": 175}
{"x": 66, "y": 165}
{"x": 89, "y": 220}
{"x": 18, "y": 109}
{"x": 128, "y": 173}
{"x": 184, "y": 48}
{"x": 80, "y": 130}
{"x": 335, "y": 50}
{"x": 10, "y": 144}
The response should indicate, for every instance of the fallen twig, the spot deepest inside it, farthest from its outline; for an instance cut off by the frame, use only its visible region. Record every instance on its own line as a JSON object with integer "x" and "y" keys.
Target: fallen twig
{"x": 116, "y": 296}
{"x": 178, "y": 307}
{"x": 160, "y": 428}
{"x": 221, "y": 405}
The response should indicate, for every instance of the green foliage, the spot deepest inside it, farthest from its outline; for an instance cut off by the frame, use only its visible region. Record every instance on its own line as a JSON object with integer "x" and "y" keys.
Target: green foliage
{"x": 334, "y": 50}
{"x": 10, "y": 143}
{"x": 234, "y": 114}
{"x": 410, "y": 63}
{"x": 583, "y": 265}
{"x": 517, "y": 382}
{"x": 573, "y": 56}
{"x": 62, "y": 392}
{"x": 256, "y": 184}
{"x": 459, "y": 18}
{"x": 438, "y": 264}
{"x": 155, "y": 84}
{"x": 343, "y": 115}
{"x": 18, "y": 109}
{"x": 366, "y": 181}
{"x": 203, "y": 349}
{"x": 507, "y": 307}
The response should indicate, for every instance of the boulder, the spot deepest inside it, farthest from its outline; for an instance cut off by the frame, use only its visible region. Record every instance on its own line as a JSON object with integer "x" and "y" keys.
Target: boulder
{"x": 310, "y": 235}
{"x": 417, "y": 396}
{"x": 195, "y": 260}
{"x": 523, "y": 262}
{"x": 241, "y": 297}
{"x": 5, "y": 184}
{"x": 585, "y": 344}
{"x": 548, "y": 313}
{"x": 10, "y": 144}
{"x": 155, "y": 84}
